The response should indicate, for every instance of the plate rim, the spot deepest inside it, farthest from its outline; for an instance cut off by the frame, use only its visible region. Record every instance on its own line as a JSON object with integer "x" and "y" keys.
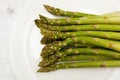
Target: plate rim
{"x": 11, "y": 38}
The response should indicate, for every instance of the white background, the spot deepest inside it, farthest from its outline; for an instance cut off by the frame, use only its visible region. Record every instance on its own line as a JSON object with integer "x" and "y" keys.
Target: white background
{"x": 9, "y": 10}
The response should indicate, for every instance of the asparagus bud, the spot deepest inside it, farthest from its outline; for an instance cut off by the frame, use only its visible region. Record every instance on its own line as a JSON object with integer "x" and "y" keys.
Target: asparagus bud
{"x": 47, "y": 40}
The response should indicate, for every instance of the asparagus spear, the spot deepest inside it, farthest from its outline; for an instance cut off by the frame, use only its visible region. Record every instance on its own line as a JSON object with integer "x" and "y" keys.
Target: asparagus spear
{"x": 47, "y": 41}
{"x": 109, "y": 44}
{"x": 49, "y": 61}
{"x": 63, "y": 35}
{"x": 88, "y": 51}
{"x": 60, "y": 12}
{"x": 92, "y": 64}
{"x": 89, "y": 20}
{"x": 98, "y": 27}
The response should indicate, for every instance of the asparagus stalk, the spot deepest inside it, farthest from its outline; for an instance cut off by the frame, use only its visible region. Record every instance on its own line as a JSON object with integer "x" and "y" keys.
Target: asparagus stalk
{"x": 109, "y": 44}
{"x": 84, "y": 51}
{"x": 89, "y": 20}
{"x": 63, "y": 35}
{"x": 49, "y": 61}
{"x": 98, "y": 27}
{"x": 46, "y": 40}
{"x": 60, "y": 12}
{"x": 92, "y": 64}
{"x": 88, "y": 51}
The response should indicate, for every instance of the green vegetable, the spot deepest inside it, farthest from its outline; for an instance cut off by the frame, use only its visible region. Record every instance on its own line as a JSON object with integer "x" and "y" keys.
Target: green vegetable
{"x": 84, "y": 51}
{"x": 60, "y": 12}
{"x": 64, "y": 35}
{"x": 92, "y": 64}
{"x": 98, "y": 27}
{"x": 79, "y": 40}
{"x": 88, "y": 20}
{"x": 49, "y": 61}
{"x": 89, "y": 51}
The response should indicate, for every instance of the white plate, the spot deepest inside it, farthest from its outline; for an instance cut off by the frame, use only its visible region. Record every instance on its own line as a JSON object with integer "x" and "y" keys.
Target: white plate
{"x": 25, "y": 41}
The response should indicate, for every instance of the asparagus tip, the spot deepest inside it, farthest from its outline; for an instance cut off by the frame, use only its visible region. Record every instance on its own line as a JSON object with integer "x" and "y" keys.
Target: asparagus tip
{"x": 40, "y": 64}
{"x": 42, "y": 17}
{"x": 46, "y": 6}
{"x": 47, "y": 50}
{"x": 50, "y": 49}
{"x": 36, "y": 22}
{"x": 47, "y": 69}
{"x": 48, "y": 33}
{"x": 44, "y": 40}
{"x": 43, "y": 70}
{"x": 49, "y": 8}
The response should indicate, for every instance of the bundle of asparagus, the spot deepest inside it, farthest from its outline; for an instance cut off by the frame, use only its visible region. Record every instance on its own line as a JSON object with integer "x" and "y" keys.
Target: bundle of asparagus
{"x": 79, "y": 40}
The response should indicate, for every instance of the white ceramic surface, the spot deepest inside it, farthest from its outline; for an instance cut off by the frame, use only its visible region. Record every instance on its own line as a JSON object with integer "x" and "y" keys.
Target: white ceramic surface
{"x": 25, "y": 41}
{"x": 9, "y": 10}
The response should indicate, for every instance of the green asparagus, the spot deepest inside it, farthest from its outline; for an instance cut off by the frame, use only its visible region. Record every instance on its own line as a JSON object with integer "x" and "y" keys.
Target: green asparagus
{"x": 98, "y": 27}
{"x": 89, "y": 51}
{"x": 85, "y": 51}
{"x": 79, "y": 40}
{"x": 89, "y": 20}
{"x": 49, "y": 61}
{"x": 60, "y": 12}
{"x": 64, "y": 35}
{"x": 106, "y": 63}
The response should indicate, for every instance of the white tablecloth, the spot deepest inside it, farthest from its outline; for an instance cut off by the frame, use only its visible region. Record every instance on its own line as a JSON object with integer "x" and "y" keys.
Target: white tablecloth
{"x": 9, "y": 10}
